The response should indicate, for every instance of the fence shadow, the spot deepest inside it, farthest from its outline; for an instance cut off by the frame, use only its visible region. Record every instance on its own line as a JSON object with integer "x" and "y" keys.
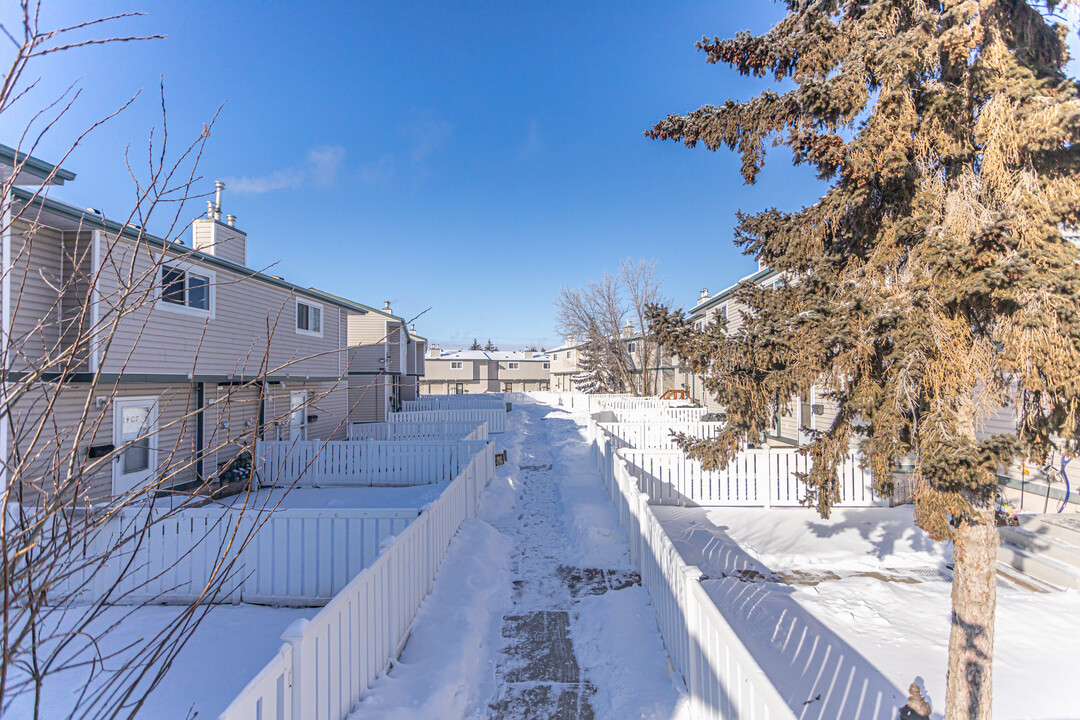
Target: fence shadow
{"x": 818, "y": 674}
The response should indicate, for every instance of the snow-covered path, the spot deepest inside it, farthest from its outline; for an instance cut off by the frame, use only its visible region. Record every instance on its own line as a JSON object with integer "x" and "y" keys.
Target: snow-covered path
{"x": 537, "y": 612}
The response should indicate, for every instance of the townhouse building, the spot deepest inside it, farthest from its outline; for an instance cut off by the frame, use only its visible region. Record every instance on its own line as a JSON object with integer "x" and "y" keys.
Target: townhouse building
{"x": 136, "y": 361}
{"x": 479, "y": 371}
{"x": 661, "y": 367}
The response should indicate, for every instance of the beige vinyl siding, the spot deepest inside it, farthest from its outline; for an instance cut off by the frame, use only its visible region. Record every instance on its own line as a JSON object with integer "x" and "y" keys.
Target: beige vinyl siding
{"x": 76, "y": 311}
{"x": 395, "y": 351}
{"x": 367, "y": 398}
{"x": 218, "y": 239}
{"x": 45, "y": 458}
{"x": 158, "y": 339}
{"x": 36, "y": 280}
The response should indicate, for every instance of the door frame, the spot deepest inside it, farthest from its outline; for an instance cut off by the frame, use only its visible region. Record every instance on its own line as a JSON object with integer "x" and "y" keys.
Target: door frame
{"x": 117, "y": 435}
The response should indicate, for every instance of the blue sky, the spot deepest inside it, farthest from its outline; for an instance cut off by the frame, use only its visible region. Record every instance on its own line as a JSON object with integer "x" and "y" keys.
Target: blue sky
{"x": 468, "y": 157}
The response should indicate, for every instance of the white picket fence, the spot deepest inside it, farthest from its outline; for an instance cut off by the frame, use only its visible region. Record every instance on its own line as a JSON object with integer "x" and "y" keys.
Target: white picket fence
{"x": 456, "y": 402}
{"x": 722, "y": 677}
{"x": 766, "y": 477}
{"x": 397, "y": 431}
{"x": 657, "y": 416}
{"x": 641, "y": 435}
{"x": 328, "y": 661}
{"x": 288, "y": 556}
{"x": 321, "y": 463}
{"x": 495, "y": 418}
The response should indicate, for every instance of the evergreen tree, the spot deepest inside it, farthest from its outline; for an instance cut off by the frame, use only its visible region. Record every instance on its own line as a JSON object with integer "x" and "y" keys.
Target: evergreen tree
{"x": 475, "y": 345}
{"x": 491, "y": 347}
{"x": 931, "y": 283}
{"x": 596, "y": 375}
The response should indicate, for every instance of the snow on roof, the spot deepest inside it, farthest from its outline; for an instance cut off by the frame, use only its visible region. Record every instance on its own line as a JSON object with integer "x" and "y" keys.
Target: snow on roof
{"x": 516, "y": 356}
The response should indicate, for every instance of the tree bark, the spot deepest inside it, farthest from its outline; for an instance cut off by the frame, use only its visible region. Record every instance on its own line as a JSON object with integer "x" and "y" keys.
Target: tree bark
{"x": 969, "y": 687}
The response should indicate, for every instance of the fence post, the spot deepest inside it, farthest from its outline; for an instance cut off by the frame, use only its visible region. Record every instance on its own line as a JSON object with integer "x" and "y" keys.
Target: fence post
{"x": 302, "y": 696}
{"x": 768, "y": 478}
{"x": 692, "y": 671}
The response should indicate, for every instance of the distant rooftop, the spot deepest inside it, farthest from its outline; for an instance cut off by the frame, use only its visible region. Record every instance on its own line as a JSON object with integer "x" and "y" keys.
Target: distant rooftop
{"x": 516, "y": 356}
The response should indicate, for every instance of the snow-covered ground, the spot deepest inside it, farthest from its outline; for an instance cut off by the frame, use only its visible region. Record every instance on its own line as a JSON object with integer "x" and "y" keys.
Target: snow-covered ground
{"x": 228, "y": 647}
{"x": 844, "y": 614}
{"x": 415, "y": 496}
{"x": 546, "y": 529}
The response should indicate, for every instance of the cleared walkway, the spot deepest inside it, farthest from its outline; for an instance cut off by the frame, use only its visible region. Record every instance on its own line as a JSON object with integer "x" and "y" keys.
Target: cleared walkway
{"x": 537, "y": 611}
{"x": 538, "y": 673}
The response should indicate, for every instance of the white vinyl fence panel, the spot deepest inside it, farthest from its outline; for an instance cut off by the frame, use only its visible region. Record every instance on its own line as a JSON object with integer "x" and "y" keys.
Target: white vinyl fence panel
{"x": 396, "y": 431}
{"x": 346, "y": 462}
{"x": 653, "y": 436}
{"x": 658, "y": 416}
{"x": 337, "y": 654}
{"x": 755, "y": 478}
{"x": 722, "y": 677}
{"x": 495, "y": 418}
{"x": 288, "y": 556}
{"x": 456, "y": 402}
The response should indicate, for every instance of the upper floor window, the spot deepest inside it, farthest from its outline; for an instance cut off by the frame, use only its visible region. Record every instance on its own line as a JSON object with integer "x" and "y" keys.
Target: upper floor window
{"x": 555, "y": 356}
{"x": 723, "y": 311}
{"x": 632, "y": 347}
{"x": 569, "y": 354}
{"x": 513, "y": 365}
{"x": 547, "y": 366}
{"x": 455, "y": 364}
{"x": 188, "y": 289}
{"x": 308, "y": 318}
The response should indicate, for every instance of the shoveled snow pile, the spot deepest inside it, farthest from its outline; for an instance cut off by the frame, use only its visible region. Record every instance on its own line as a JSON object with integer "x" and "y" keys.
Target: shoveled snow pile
{"x": 844, "y": 614}
{"x": 445, "y": 670}
{"x": 615, "y": 638}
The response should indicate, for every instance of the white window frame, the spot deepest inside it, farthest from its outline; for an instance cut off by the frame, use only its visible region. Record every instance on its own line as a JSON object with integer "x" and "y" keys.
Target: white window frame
{"x": 513, "y": 365}
{"x": 631, "y": 347}
{"x": 547, "y": 366}
{"x": 569, "y": 354}
{"x": 296, "y": 318}
{"x": 185, "y": 309}
{"x": 456, "y": 365}
{"x": 555, "y": 356}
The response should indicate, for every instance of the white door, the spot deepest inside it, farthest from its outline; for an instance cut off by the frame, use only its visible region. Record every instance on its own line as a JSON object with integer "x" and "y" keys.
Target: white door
{"x": 135, "y": 430}
{"x": 298, "y": 416}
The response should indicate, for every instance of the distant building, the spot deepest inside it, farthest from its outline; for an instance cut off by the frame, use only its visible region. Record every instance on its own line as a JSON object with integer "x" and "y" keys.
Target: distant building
{"x": 480, "y": 371}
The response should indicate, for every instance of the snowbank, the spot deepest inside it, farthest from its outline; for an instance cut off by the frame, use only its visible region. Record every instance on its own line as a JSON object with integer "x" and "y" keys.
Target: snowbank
{"x": 617, "y": 644}
{"x": 446, "y": 670}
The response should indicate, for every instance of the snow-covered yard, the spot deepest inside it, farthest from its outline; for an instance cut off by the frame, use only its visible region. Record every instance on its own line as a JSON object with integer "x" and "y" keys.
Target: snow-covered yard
{"x": 856, "y": 607}
{"x": 230, "y": 644}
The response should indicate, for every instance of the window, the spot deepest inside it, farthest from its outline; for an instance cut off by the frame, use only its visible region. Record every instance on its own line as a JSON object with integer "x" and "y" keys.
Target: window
{"x": 186, "y": 288}
{"x": 632, "y": 347}
{"x": 555, "y": 356}
{"x": 569, "y": 354}
{"x": 308, "y": 318}
{"x": 455, "y": 364}
{"x": 513, "y": 365}
{"x": 547, "y": 366}
{"x": 723, "y": 311}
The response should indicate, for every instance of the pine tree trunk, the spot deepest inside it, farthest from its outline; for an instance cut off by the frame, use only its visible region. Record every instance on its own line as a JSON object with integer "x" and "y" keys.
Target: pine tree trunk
{"x": 969, "y": 688}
